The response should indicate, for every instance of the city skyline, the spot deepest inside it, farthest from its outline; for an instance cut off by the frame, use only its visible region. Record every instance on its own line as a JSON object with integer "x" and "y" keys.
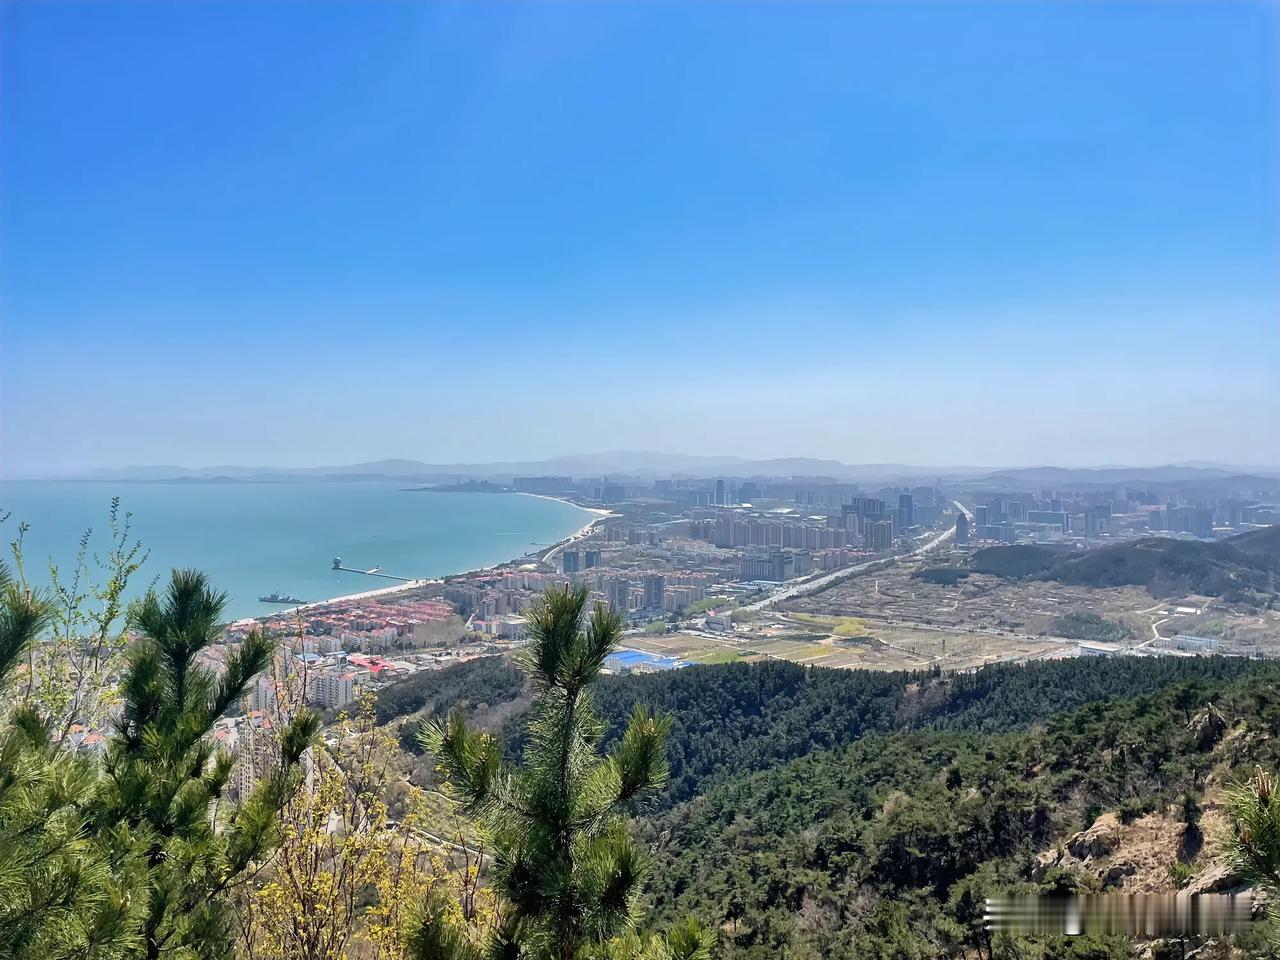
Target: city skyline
{"x": 653, "y": 464}
{"x": 917, "y": 233}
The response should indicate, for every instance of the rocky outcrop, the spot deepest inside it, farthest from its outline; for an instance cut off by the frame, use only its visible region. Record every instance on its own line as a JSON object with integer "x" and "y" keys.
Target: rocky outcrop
{"x": 1208, "y": 727}
{"x": 1136, "y": 857}
{"x": 1217, "y": 878}
{"x": 1098, "y": 841}
{"x": 1046, "y": 861}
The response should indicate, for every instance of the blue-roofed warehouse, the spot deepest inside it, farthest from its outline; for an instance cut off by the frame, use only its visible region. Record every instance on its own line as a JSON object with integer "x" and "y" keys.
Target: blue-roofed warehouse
{"x": 637, "y": 661}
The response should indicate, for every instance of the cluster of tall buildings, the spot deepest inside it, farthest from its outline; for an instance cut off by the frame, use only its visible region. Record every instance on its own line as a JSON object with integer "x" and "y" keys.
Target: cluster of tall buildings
{"x": 866, "y": 523}
{"x": 1005, "y": 519}
{"x": 497, "y": 599}
{"x": 1195, "y": 520}
{"x": 1090, "y": 514}
{"x": 573, "y": 561}
{"x": 651, "y": 593}
{"x": 730, "y": 530}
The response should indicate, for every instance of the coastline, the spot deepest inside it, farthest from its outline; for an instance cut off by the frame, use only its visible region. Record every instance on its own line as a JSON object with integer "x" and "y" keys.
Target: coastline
{"x": 600, "y": 515}
{"x": 544, "y": 555}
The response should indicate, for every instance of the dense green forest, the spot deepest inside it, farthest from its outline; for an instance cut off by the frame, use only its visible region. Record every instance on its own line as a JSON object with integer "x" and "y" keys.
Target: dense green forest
{"x": 887, "y": 847}
{"x": 1014, "y": 562}
{"x": 471, "y": 686}
{"x": 827, "y": 813}
{"x": 1089, "y": 626}
{"x": 733, "y": 719}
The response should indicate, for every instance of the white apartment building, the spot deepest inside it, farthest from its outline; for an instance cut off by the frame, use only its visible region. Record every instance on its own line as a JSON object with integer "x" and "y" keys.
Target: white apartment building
{"x": 331, "y": 688}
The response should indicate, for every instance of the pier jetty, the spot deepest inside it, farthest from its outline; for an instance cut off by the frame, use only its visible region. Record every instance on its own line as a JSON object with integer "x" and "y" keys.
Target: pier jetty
{"x": 371, "y": 572}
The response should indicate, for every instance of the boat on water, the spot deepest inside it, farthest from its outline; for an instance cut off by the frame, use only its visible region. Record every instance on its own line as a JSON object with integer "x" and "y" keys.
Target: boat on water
{"x": 279, "y": 598}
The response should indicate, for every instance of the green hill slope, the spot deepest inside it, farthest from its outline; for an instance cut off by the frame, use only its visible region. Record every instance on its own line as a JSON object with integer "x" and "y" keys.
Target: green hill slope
{"x": 733, "y": 719}
{"x": 887, "y": 847}
{"x": 1240, "y": 568}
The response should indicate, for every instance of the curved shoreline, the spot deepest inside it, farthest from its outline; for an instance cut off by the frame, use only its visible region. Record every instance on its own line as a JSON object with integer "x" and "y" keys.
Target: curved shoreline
{"x": 548, "y": 553}
{"x": 543, "y": 556}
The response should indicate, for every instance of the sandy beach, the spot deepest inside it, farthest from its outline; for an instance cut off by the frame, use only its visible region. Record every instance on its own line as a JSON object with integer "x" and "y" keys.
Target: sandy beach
{"x": 552, "y": 551}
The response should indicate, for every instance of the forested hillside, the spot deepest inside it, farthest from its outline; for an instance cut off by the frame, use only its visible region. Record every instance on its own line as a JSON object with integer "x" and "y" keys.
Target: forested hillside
{"x": 471, "y": 685}
{"x": 887, "y": 847}
{"x": 853, "y": 814}
{"x": 1239, "y": 568}
{"x": 732, "y": 719}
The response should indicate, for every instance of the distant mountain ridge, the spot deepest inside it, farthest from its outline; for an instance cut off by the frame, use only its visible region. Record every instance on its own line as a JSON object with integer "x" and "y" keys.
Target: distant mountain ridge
{"x": 646, "y": 464}
{"x": 622, "y": 463}
{"x": 1111, "y": 475}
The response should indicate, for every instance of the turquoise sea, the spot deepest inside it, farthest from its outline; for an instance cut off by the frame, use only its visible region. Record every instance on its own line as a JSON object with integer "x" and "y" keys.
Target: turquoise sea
{"x": 257, "y": 538}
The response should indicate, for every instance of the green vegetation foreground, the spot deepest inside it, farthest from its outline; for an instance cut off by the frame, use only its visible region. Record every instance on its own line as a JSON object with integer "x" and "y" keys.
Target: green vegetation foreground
{"x": 568, "y": 870}
{"x": 126, "y": 858}
{"x": 826, "y": 813}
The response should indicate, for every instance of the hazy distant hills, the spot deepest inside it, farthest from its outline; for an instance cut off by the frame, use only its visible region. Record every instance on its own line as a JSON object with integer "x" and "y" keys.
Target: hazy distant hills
{"x": 625, "y": 463}
{"x": 615, "y": 463}
{"x": 635, "y": 463}
{"x": 1176, "y": 473}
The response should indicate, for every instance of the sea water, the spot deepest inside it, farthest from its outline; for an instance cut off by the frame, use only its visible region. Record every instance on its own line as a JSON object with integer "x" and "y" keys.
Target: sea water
{"x": 254, "y": 539}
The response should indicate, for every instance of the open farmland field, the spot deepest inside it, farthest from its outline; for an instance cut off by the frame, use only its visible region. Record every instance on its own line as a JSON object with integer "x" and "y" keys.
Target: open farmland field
{"x": 871, "y": 647}
{"x": 980, "y": 602}
{"x": 1017, "y": 613}
{"x": 882, "y": 646}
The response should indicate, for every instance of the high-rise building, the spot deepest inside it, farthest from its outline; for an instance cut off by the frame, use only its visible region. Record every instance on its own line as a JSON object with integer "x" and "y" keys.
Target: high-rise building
{"x": 906, "y": 510}
{"x": 1052, "y": 518}
{"x": 868, "y": 507}
{"x": 572, "y": 561}
{"x": 1096, "y": 519}
{"x": 980, "y": 514}
{"x": 257, "y": 753}
{"x": 593, "y": 558}
{"x": 724, "y": 530}
{"x": 720, "y": 493}
{"x": 331, "y": 688}
{"x": 1179, "y": 519}
{"x": 620, "y": 596}
{"x": 655, "y": 585}
{"x": 1202, "y": 522}
{"x": 262, "y": 696}
{"x": 878, "y": 534}
{"x": 962, "y": 529}
{"x": 774, "y": 566}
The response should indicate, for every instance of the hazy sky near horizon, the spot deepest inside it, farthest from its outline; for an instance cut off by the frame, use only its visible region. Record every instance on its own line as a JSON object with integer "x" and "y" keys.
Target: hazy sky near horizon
{"x": 301, "y": 233}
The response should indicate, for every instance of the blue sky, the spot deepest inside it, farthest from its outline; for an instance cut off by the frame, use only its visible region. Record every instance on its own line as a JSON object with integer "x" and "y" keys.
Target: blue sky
{"x": 311, "y": 233}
